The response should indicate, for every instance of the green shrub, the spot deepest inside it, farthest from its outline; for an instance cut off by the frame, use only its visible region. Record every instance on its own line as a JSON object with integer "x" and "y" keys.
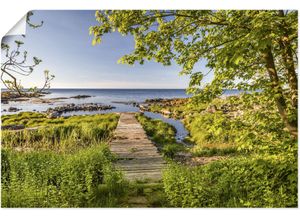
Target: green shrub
{"x": 170, "y": 150}
{"x": 47, "y": 179}
{"x": 257, "y": 181}
{"x": 210, "y": 128}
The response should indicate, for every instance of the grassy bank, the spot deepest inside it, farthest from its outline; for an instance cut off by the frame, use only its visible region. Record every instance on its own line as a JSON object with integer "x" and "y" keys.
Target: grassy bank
{"x": 65, "y": 163}
{"x": 61, "y": 134}
{"x": 162, "y": 134}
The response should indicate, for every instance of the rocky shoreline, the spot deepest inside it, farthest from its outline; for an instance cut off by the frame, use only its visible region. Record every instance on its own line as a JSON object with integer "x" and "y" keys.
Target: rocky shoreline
{"x": 59, "y": 110}
{"x": 7, "y": 97}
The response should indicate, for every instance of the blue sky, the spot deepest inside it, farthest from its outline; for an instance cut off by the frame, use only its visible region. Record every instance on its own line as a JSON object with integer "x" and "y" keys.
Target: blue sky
{"x": 64, "y": 45}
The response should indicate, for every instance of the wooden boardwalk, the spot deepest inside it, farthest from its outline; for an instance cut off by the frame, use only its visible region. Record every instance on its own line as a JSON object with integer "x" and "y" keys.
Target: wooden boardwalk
{"x": 137, "y": 156}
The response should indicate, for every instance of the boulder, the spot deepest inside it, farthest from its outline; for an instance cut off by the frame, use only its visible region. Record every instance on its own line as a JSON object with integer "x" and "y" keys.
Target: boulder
{"x": 13, "y": 109}
{"x": 53, "y": 115}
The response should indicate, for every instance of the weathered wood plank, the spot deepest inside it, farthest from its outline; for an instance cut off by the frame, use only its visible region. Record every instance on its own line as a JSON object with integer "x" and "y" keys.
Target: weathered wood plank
{"x": 137, "y": 156}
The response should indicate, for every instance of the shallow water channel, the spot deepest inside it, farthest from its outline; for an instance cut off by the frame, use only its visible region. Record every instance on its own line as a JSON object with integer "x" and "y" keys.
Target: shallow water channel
{"x": 181, "y": 132}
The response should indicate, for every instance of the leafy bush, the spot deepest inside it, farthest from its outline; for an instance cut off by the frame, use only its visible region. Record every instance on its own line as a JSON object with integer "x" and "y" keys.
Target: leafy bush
{"x": 47, "y": 179}
{"x": 256, "y": 181}
{"x": 170, "y": 150}
{"x": 210, "y": 128}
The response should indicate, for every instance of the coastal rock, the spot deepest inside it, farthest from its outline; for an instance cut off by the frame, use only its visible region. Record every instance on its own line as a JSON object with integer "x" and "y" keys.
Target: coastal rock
{"x": 13, "y": 109}
{"x": 133, "y": 103}
{"x": 80, "y": 107}
{"x": 53, "y": 115}
{"x": 80, "y": 96}
{"x": 143, "y": 108}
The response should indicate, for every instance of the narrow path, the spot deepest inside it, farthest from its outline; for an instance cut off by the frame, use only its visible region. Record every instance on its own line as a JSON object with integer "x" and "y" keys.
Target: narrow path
{"x": 137, "y": 155}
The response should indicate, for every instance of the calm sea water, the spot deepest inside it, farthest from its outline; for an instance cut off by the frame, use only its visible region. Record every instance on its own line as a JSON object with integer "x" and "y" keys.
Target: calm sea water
{"x": 103, "y": 96}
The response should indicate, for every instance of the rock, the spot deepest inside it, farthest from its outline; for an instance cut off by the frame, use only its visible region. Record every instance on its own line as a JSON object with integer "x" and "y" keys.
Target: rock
{"x": 80, "y": 107}
{"x": 212, "y": 109}
{"x": 13, "y": 109}
{"x": 4, "y": 110}
{"x": 165, "y": 112}
{"x": 12, "y": 127}
{"x": 80, "y": 96}
{"x": 143, "y": 108}
{"x": 4, "y": 101}
{"x": 53, "y": 115}
{"x": 133, "y": 103}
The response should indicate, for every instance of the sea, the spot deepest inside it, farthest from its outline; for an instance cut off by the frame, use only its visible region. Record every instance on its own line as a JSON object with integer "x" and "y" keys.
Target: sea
{"x": 113, "y": 97}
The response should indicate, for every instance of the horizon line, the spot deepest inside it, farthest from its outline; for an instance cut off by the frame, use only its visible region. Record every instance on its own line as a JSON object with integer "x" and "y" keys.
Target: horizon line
{"x": 103, "y": 88}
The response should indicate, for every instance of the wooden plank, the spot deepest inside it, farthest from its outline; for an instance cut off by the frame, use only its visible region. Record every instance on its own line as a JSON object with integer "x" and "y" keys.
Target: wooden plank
{"x": 137, "y": 156}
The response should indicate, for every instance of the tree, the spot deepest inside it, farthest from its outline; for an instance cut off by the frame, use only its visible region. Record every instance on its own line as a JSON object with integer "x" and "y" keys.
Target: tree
{"x": 250, "y": 50}
{"x": 15, "y": 63}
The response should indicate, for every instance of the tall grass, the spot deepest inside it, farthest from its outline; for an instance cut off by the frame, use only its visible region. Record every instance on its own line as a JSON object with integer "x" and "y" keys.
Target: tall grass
{"x": 48, "y": 179}
{"x": 66, "y": 163}
{"x": 70, "y": 135}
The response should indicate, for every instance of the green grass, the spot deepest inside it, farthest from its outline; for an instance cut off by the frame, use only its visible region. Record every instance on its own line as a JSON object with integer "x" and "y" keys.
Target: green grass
{"x": 143, "y": 194}
{"x": 33, "y": 119}
{"x": 66, "y": 163}
{"x": 162, "y": 134}
{"x": 49, "y": 179}
{"x": 68, "y": 135}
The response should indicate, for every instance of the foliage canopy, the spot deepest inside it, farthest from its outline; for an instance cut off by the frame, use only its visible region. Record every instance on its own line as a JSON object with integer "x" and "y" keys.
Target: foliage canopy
{"x": 246, "y": 49}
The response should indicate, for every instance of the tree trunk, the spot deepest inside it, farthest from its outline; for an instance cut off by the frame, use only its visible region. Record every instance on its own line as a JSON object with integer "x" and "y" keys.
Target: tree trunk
{"x": 14, "y": 82}
{"x": 288, "y": 61}
{"x": 278, "y": 94}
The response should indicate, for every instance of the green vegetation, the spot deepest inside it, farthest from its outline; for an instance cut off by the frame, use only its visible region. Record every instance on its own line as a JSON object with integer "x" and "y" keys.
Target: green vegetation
{"x": 260, "y": 167}
{"x": 64, "y": 164}
{"x": 61, "y": 134}
{"x": 256, "y": 181}
{"x": 144, "y": 194}
{"x": 162, "y": 134}
{"x": 48, "y": 179}
{"x": 33, "y": 119}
